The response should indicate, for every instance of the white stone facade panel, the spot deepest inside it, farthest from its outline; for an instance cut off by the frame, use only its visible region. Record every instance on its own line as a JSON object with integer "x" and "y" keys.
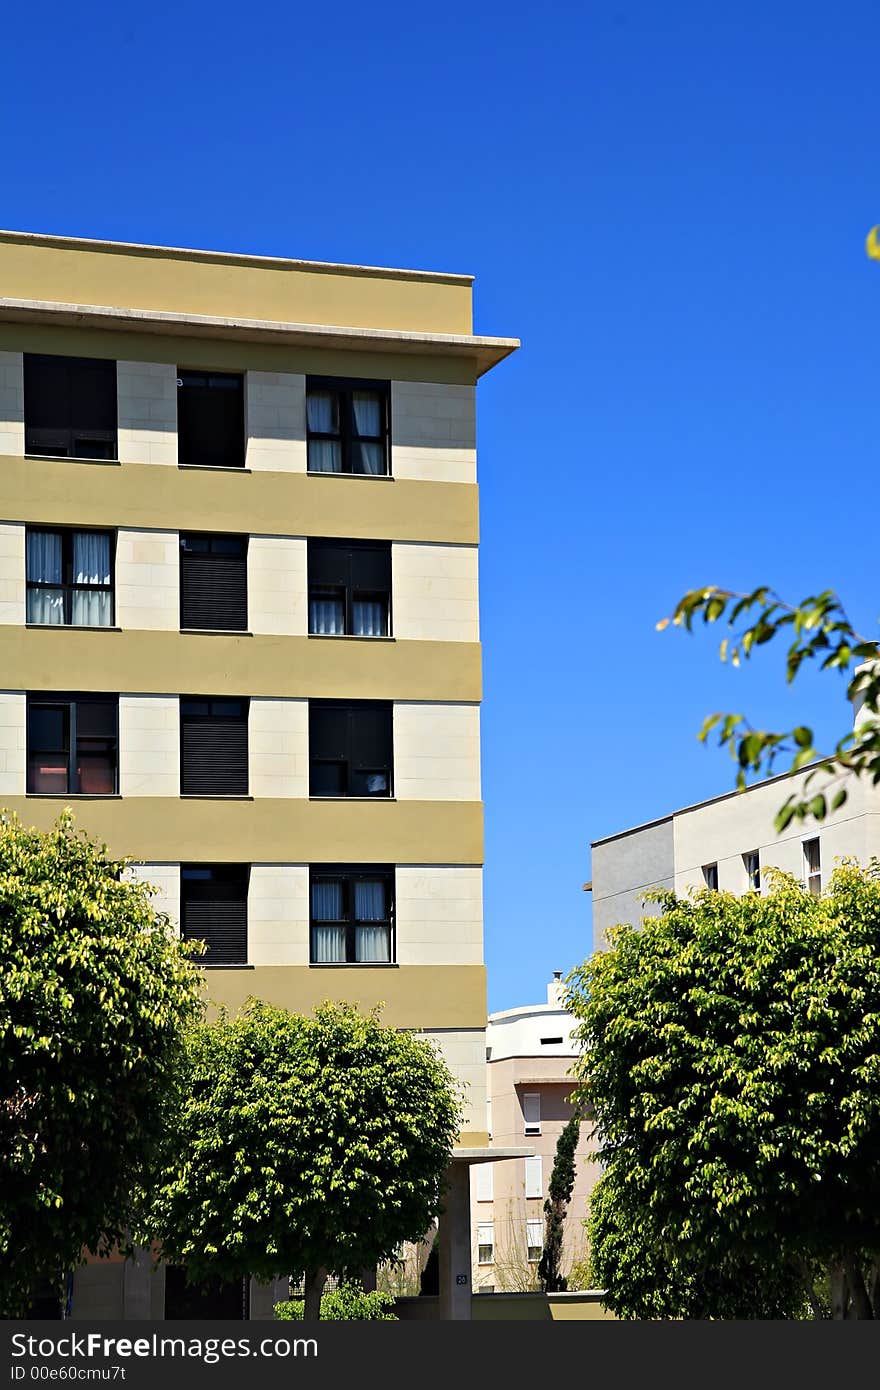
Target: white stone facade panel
{"x": 277, "y": 585}
{"x": 433, "y": 432}
{"x": 465, "y": 1054}
{"x": 165, "y": 878}
{"x": 148, "y": 580}
{"x": 146, "y": 402}
{"x": 278, "y": 741}
{"x": 13, "y": 743}
{"x": 12, "y": 404}
{"x": 149, "y": 745}
{"x": 278, "y": 914}
{"x": 435, "y": 592}
{"x": 275, "y": 411}
{"x": 436, "y": 752}
{"x": 439, "y": 914}
{"x": 12, "y": 573}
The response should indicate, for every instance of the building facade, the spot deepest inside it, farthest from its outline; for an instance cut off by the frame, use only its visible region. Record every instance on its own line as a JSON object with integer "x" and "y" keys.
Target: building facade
{"x": 239, "y": 619}
{"x": 728, "y": 842}
{"x": 529, "y": 1051}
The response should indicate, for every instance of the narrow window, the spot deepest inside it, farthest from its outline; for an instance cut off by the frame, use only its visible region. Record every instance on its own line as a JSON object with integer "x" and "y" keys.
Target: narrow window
{"x": 752, "y": 864}
{"x": 69, "y": 407}
{"x": 349, "y": 589}
{"x": 813, "y": 867}
{"x": 350, "y": 748}
{"x": 710, "y": 876}
{"x": 213, "y": 909}
{"x": 486, "y": 1242}
{"x": 69, "y": 577}
{"x": 534, "y": 1240}
{"x": 531, "y": 1104}
{"x": 534, "y": 1176}
{"x": 72, "y": 745}
{"x": 213, "y": 582}
{"x": 485, "y": 1183}
{"x": 210, "y": 420}
{"x": 352, "y": 916}
{"x": 347, "y": 426}
{"x": 213, "y": 747}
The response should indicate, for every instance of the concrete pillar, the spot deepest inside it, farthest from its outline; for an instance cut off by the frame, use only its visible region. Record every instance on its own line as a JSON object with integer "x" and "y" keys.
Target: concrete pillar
{"x": 137, "y": 1287}
{"x": 455, "y": 1245}
{"x": 265, "y": 1296}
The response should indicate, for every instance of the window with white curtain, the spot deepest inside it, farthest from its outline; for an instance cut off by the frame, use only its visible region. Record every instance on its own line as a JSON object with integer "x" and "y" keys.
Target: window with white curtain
{"x": 534, "y": 1240}
{"x": 813, "y": 867}
{"x": 347, "y": 426}
{"x": 534, "y": 1176}
{"x": 69, "y": 576}
{"x": 352, "y": 916}
{"x": 752, "y": 866}
{"x": 349, "y": 588}
{"x": 486, "y": 1242}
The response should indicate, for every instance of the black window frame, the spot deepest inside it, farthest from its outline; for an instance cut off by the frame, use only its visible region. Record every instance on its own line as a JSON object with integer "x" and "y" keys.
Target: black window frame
{"x": 237, "y": 876}
{"x": 196, "y": 539}
{"x": 189, "y": 717}
{"x": 348, "y": 875}
{"x": 343, "y": 387}
{"x": 752, "y": 865}
{"x": 71, "y": 703}
{"x": 348, "y": 553}
{"x": 68, "y": 585}
{"x": 94, "y": 435}
{"x": 187, "y": 379}
{"x": 348, "y": 763}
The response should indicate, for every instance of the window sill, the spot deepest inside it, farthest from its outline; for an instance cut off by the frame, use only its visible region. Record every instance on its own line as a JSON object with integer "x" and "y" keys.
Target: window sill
{"x": 348, "y": 637}
{"x": 353, "y": 965}
{"x": 73, "y": 796}
{"x": 205, "y": 965}
{"x": 213, "y": 468}
{"x": 68, "y": 458}
{"x": 71, "y": 627}
{"x": 370, "y": 477}
{"x": 214, "y": 796}
{"x": 366, "y": 799}
{"x": 216, "y": 632}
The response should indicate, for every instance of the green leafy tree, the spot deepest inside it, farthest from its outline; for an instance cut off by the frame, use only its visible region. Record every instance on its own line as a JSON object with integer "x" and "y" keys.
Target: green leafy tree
{"x": 307, "y": 1145}
{"x": 817, "y": 629}
{"x": 731, "y": 1057}
{"x": 561, "y": 1186}
{"x": 95, "y": 995}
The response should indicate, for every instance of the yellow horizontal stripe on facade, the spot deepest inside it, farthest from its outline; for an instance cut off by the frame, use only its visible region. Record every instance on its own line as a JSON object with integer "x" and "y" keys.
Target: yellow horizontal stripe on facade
{"x": 185, "y": 663}
{"x": 218, "y": 354}
{"x": 159, "y": 497}
{"x": 196, "y": 282}
{"x": 415, "y": 996}
{"x": 268, "y": 830}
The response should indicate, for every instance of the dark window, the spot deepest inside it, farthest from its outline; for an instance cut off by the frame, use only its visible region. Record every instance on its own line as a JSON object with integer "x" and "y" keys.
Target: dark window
{"x": 710, "y": 876}
{"x": 352, "y": 915}
{"x": 349, "y": 589}
{"x": 347, "y": 426}
{"x": 213, "y": 582}
{"x": 213, "y": 747}
{"x": 813, "y": 867}
{"x": 213, "y": 1298}
{"x": 72, "y": 745}
{"x": 213, "y": 909}
{"x": 210, "y": 420}
{"x": 350, "y": 748}
{"x": 752, "y": 865}
{"x": 70, "y": 577}
{"x": 69, "y": 406}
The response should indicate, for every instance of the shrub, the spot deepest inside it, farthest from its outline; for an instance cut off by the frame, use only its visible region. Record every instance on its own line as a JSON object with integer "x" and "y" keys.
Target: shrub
{"x": 345, "y": 1304}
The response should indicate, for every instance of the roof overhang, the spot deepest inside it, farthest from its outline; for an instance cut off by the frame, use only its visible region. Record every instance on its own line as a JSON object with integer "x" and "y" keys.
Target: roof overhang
{"x": 484, "y": 352}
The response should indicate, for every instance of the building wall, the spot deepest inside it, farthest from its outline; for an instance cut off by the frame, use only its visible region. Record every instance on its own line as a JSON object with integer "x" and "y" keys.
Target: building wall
{"x": 146, "y": 399}
{"x": 625, "y": 868}
{"x": 435, "y": 592}
{"x": 275, "y": 415}
{"x": 12, "y": 572}
{"x": 433, "y": 431}
{"x": 11, "y": 403}
{"x": 148, "y": 580}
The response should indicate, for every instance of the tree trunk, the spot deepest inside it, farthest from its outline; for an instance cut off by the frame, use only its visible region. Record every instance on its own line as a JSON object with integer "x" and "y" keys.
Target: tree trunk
{"x": 861, "y": 1304}
{"x": 315, "y": 1281}
{"x": 806, "y": 1279}
{"x": 839, "y": 1289}
{"x": 874, "y": 1287}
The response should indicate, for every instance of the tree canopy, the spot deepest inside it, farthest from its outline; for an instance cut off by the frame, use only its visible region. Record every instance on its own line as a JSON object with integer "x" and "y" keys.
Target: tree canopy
{"x": 95, "y": 995}
{"x": 731, "y": 1057}
{"x": 306, "y": 1145}
{"x": 819, "y": 630}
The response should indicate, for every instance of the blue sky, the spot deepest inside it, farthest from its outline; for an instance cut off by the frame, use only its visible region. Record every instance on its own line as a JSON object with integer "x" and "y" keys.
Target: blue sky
{"x": 667, "y": 203}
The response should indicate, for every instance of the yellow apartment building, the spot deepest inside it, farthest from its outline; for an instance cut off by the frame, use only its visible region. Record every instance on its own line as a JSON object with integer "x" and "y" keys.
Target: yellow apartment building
{"x": 239, "y": 623}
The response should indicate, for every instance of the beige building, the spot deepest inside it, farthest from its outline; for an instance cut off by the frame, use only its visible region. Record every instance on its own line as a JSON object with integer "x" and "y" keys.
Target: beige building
{"x": 239, "y": 621}
{"x": 729, "y": 842}
{"x": 530, "y": 1051}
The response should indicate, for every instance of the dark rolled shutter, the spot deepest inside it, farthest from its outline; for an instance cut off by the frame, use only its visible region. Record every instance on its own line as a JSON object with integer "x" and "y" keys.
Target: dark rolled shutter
{"x": 215, "y": 911}
{"x": 210, "y": 419}
{"x": 213, "y": 589}
{"x": 371, "y": 736}
{"x": 329, "y": 565}
{"x": 214, "y": 754}
{"x": 328, "y": 731}
{"x": 371, "y": 568}
{"x": 93, "y": 396}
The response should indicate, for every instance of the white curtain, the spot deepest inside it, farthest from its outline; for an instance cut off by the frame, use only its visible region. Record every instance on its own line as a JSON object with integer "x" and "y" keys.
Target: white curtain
{"x": 329, "y": 941}
{"x": 368, "y": 617}
{"x": 326, "y": 617}
{"x": 91, "y": 565}
{"x": 368, "y": 458}
{"x": 325, "y": 455}
{"x": 371, "y": 943}
{"x": 44, "y": 566}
